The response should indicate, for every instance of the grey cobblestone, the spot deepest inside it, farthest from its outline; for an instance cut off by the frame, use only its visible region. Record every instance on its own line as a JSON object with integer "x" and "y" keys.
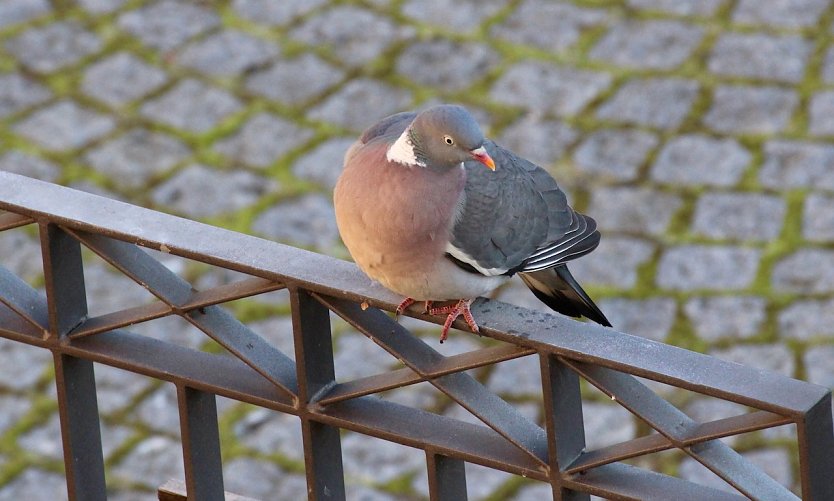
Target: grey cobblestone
{"x": 454, "y": 66}
{"x": 552, "y": 26}
{"x": 294, "y": 81}
{"x": 64, "y": 126}
{"x": 455, "y": 15}
{"x": 543, "y": 87}
{"x": 192, "y": 106}
{"x": 14, "y": 407}
{"x": 818, "y": 218}
{"x": 323, "y": 164}
{"x": 355, "y": 35}
{"x": 152, "y": 462}
{"x": 270, "y": 432}
{"x": 606, "y": 424}
{"x": 701, "y": 160}
{"x": 739, "y": 216}
{"x": 136, "y": 157}
{"x": 649, "y": 44}
{"x": 101, "y": 6}
{"x": 54, "y": 46}
{"x": 773, "y": 357}
{"x": 121, "y": 78}
{"x": 20, "y": 370}
{"x": 807, "y": 319}
{"x": 371, "y": 460}
{"x": 828, "y": 66}
{"x": 252, "y": 478}
{"x": 541, "y": 141}
{"x": 617, "y": 154}
{"x": 796, "y": 164}
{"x": 17, "y": 92}
{"x": 28, "y": 165}
{"x": 227, "y": 53}
{"x": 655, "y": 102}
{"x": 629, "y": 254}
{"x": 760, "y": 56}
{"x": 779, "y": 13}
{"x": 516, "y": 377}
{"x": 806, "y": 271}
{"x": 692, "y": 267}
{"x": 263, "y": 139}
{"x": 633, "y": 210}
{"x": 18, "y": 11}
{"x": 274, "y": 13}
{"x": 160, "y": 25}
{"x": 818, "y": 362}
{"x": 750, "y": 110}
{"x": 355, "y": 103}
{"x": 821, "y": 109}
{"x": 198, "y": 191}
{"x": 726, "y": 317}
{"x": 21, "y": 255}
{"x": 307, "y": 221}
{"x": 47, "y": 485}
{"x": 679, "y": 7}
{"x": 650, "y": 318}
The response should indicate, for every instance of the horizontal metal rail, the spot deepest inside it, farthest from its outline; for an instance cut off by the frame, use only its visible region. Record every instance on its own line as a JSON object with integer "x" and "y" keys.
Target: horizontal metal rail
{"x": 304, "y": 384}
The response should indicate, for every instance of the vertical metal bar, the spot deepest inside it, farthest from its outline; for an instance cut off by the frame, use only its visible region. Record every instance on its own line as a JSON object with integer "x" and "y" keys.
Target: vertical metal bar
{"x": 447, "y": 478}
{"x": 200, "y": 444}
{"x": 80, "y": 429}
{"x": 563, "y": 422}
{"x": 816, "y": 451}
{"x": 314, "y": 363}
{"x": 64, "y": 278}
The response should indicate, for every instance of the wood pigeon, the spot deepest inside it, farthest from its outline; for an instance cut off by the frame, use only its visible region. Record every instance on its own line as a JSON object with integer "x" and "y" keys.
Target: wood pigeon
{"x": 420, "y": 214}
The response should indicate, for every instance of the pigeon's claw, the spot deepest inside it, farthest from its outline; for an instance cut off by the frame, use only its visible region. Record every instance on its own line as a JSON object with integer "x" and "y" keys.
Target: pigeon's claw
{"x": 404, "y": 305}
{"x": 454, "y": 311}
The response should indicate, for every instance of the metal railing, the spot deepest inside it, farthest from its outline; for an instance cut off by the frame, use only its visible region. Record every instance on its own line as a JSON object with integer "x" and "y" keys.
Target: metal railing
{"x": 260, "y": 374}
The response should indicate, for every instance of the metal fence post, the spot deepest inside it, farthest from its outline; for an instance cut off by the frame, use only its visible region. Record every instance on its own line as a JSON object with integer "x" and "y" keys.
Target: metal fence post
{"x": 200, "y": 444}
{"x": 447, "y": 477}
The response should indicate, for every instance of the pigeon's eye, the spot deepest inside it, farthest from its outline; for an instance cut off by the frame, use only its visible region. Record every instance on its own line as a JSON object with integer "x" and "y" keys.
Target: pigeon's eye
{"x": 449, "y": 140}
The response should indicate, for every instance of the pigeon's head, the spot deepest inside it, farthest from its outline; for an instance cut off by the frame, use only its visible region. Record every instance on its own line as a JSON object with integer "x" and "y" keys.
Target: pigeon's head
{"x": 447, "y": 135}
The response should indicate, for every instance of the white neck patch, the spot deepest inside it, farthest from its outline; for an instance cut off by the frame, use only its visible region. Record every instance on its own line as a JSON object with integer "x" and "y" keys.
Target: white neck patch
{"x": 402, "y": 151}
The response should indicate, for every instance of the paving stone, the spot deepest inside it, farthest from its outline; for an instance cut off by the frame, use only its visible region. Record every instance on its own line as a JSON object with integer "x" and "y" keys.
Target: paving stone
{"x": 101, "y": 6}
{"x": 550, "y": 26}
{"x": 817, "y": 218}
{"x": 780, "y": 13}
{"x": 742, "y": 109}
{"x": 807, "y": 319}
{"x": 44, "y": 440}
{"x": 14, "y": 407}
{"x": 691, "y": 267}
{"x": 64, "y": 126}
{"x": 661, "y": 45}
{"x": 21, "y": 254}
{"x": 696, "y": 159}
{"x": 720, "y": 317}
{"x": 760, "y": 56}
{"x": 252, "y": 478}
{"x": 806, "y": 271}
{"x": 160, "y": 25}
{"x": 18, "y": 92}
{"x": 517, "y": 377}
{"x": 795, "y": 164}
{"x": 159, "y": 411}
{"x": 116, "y": 388}
{"x": 152, "y": 462}
{"x": 274, "y": 13}
{"x": 820, "y": 110}
{"x": 775, "y": 462}
{"x": 270, "y": 432}
{"x": 633, "y": 210}
{"x": 198, "y": 191}
{"x": 109, "y": 291}
{"x": 541, "y": 141}
{"x": 773, "y": 357}
{"x": 294, "y": 81}
{"x": 654, "y": 102}
{"x": 679, "y": 7}
{"x": 53, "y": 47}
{"x": 629, "y": 254}
{"x": 615, "y": 154}
{"x": 23, "y": 365}
{"x": 460, "y": 16}
{"x": 481, "y": 482}
{"x": 307, "y": 221}
{"x": 192, "y": 106}
{"x": 445, "y": 64}
{"x": 828, "y": 66}
{"x": 356, "y": 356}
{"x": 544, "y": 88}
{"x": 606, "y": 424}
{"x": 705, "y": 409}
{"x": 137, "y": 157}
{"x": 278, "y": 331}
{"x": 227, "y": 53}
{"x": 263, "y": 139}
{"x": 33, "y": 483}
{"x": 28, "y": 165}
{"x": 121, "y": 78}
{"x": 323, "y": 164}
{"x": 819, "y": 365}
{"x": 649, "y": 318}
{"x": 19, "y": 11}
{"x": 371, "y": 460}
{"x": 356, "y": 36}
{"x": 739, "y": 216}
{"x": 360, "y": 103}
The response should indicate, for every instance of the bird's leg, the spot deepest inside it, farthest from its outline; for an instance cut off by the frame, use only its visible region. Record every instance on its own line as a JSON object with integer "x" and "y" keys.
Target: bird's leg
{"x": 404, "y": 305}
{"x": 460, "y": 308}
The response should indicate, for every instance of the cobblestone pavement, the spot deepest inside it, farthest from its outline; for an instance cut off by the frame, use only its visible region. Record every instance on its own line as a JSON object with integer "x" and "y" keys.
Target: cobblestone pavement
{"x": 699, "y": 133}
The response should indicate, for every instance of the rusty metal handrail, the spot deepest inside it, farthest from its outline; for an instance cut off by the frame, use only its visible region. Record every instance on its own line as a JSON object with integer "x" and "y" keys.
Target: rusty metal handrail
{"x": 262, "y": 375}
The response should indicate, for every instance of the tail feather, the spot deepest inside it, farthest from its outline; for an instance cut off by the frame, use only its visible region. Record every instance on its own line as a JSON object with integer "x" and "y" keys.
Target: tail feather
{"x": 557, "y": 288}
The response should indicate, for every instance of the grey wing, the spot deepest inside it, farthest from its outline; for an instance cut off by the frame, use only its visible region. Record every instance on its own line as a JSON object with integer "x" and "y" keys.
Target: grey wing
{"x": 393, "y": 125}
{"x": 517, "y": 219}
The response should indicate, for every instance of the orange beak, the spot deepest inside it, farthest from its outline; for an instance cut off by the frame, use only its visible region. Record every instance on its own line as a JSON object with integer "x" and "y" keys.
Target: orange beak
{"x": 481, "y": 155}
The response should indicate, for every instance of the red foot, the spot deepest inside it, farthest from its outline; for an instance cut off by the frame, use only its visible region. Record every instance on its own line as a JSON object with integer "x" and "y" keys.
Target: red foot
{"x": 408, "y": 302}
{"x": 454, "y": 311}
